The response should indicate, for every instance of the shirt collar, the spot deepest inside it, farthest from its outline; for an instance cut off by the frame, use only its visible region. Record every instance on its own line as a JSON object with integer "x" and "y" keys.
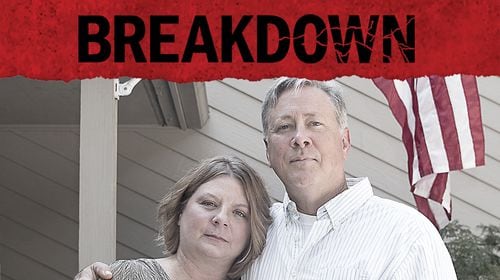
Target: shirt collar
{"x": 290, "y": 208}
{"x": 339, "y": 208}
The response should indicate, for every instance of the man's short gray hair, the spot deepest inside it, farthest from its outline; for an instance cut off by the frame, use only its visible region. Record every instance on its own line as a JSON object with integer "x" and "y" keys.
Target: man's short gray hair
{"x": 331, "y": 88}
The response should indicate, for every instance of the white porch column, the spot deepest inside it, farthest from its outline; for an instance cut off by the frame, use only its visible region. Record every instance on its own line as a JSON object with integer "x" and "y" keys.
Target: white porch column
{"x": 98, "y": 137}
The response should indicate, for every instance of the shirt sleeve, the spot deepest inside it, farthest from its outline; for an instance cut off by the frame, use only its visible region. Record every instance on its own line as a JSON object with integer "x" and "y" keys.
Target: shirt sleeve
{"x": 428, "y": 258}
{"x": 124, "y": 269}
{"x": 133, "y": 270}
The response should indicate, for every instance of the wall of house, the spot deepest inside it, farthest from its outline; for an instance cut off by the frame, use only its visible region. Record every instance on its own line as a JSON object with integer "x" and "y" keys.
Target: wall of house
{"x": 39, "y": 172}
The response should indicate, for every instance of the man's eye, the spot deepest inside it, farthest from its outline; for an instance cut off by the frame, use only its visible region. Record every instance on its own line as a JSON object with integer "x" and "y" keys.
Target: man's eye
{"x": 283, "y": 127}
{"x": 315, "y": 123}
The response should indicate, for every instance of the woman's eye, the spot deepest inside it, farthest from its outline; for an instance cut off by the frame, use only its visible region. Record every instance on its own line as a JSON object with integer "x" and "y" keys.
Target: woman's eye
{"x": 209, "y": 203}
{"x": 240, "y": 213}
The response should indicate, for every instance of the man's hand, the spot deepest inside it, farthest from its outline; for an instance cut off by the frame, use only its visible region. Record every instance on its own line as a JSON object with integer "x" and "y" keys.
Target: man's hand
{"x": 94, "y": 271}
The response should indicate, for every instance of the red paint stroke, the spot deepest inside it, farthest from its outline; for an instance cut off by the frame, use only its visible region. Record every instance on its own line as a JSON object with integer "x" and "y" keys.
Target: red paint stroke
{"x": 39, "y": 39}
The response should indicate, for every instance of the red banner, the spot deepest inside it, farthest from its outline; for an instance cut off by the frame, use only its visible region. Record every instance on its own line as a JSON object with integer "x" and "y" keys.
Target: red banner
{"x": 207, "y": 40}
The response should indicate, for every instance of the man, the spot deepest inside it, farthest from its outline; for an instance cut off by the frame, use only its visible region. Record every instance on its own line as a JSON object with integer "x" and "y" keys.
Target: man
{"x": 330, "y": 227}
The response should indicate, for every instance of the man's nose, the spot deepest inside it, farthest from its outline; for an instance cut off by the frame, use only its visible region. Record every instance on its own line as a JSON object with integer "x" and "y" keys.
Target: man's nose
{"x": 300, "y": 138}
{"x": 220, "y": 218}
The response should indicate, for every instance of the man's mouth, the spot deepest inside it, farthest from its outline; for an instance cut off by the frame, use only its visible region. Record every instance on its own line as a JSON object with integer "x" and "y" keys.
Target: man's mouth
{"x": 301, "y": 159}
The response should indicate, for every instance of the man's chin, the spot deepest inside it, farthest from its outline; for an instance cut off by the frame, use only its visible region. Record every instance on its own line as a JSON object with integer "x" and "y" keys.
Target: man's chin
{"x": 304, "y": 180}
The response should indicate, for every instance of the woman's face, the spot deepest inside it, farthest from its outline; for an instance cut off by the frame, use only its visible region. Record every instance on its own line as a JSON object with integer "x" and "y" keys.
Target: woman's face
{"x": 216, "y": 220}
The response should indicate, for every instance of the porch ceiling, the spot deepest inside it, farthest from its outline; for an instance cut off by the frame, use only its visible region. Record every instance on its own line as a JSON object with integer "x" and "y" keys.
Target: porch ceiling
{"x": 33, "y": 102}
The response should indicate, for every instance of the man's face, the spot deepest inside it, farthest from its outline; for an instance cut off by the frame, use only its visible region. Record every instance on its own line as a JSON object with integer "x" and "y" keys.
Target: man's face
{"x": 305, "y": 145}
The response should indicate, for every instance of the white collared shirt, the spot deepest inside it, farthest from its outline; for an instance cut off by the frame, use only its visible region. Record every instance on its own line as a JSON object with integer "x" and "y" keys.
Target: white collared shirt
{"x": 356, "y": 235}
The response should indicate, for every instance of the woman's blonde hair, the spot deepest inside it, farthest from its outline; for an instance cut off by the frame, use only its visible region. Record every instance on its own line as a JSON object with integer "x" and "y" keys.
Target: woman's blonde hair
{"x": 172, "y": 205}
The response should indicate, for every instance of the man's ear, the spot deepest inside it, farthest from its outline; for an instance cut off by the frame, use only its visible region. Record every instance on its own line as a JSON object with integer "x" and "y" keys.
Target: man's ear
{"x": 267, "y": 148}
{"x": 346, "y": 141}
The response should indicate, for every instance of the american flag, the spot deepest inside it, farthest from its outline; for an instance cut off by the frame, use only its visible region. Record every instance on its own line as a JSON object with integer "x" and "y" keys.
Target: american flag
{"x": 442, "y": 131}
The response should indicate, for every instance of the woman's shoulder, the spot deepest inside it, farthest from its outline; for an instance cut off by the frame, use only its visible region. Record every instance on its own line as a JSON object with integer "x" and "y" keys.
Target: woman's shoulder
{"x": 137, "y": 269}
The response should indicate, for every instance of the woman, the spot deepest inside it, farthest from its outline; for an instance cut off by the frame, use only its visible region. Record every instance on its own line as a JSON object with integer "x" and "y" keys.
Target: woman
{"x": 213, "y": 225}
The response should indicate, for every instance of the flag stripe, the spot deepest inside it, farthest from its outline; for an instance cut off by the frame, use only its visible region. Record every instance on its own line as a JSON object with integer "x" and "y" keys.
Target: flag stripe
{"x": 404, "y": 93}
{"x": 431, "y": 125}
{"x": 437, "y": 190}
{"x": 460, "y": 113}
{"x": 441, "y": 216}
{"x": 424, "y": 186}
{"x": 425, "y": 165}
{"x": 476, "y": 125}
{"x": 447, "y": 124}
{"x": 446, "y": 201}
{"x": 424, "y": 208}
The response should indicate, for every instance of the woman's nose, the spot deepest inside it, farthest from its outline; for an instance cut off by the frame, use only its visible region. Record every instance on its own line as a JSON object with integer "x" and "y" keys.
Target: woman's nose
{"x": 220, "y": 219}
